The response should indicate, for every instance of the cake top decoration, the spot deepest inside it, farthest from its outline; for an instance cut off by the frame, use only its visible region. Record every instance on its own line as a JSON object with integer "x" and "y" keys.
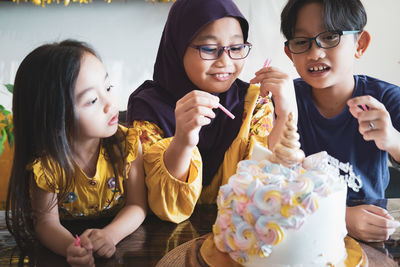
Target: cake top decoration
{"x": 273, "y": 193}
{"x": 287, "y": 151}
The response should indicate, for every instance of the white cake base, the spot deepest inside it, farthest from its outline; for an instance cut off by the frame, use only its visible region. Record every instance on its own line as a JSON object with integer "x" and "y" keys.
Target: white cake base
{"x": 319, "y": 242}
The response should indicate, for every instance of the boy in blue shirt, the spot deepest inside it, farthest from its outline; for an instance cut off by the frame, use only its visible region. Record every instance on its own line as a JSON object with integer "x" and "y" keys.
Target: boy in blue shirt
{"x": 355, "y": 118}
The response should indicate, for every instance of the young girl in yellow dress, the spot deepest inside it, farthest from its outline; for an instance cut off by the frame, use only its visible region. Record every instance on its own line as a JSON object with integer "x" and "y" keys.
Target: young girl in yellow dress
{"x": 191, "y": 147}
{"x": 73, "y": 160}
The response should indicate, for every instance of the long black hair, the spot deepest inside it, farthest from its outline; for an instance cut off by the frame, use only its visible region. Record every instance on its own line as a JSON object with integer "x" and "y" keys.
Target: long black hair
{"x": 45, "y": 123}
{"x": 343, "y": 15}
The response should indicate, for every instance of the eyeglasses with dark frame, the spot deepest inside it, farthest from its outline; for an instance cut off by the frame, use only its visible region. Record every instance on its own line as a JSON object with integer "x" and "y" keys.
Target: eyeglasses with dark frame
{"x": 213, "y": 51}
{"x": 326, "y": 40}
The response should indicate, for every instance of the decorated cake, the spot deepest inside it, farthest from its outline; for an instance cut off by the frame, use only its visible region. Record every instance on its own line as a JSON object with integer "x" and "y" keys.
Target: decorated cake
{"x": 282, "y": 209}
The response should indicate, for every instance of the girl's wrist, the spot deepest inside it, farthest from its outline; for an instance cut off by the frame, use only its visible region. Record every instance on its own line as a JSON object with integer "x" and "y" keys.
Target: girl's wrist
{"x": 179, "y": 147}
{"x": 177, "y": 159}
{"x": 110, "y": 235}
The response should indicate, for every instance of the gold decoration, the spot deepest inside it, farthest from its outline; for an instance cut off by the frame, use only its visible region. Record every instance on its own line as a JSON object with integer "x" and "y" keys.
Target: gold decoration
{"x": 209, "y": 253}
{"x": 67, "y": 2}
{"x": 287, "y": 151}
{"x": 43, "y": 3}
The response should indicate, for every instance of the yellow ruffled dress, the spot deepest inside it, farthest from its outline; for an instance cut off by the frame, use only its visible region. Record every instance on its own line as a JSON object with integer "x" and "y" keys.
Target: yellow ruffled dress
{"x": 90, "y": 197}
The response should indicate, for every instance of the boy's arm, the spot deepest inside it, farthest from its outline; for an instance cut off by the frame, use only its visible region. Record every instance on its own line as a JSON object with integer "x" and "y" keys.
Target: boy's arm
{"x": 370, "y": 223}
{"x": 52, "y": 234}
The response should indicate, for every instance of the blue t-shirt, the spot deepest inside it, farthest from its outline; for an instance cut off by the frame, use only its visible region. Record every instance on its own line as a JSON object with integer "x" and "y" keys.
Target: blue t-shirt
{"x": 340, "y": 137}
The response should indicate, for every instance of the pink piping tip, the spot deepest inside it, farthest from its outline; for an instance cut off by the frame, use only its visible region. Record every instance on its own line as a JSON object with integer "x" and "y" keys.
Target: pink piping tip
{"x": 364, "y": 107}
{"x": 226, "y": 111}
{"x": 77, "y": 241}
{"x": 267, "y": 62}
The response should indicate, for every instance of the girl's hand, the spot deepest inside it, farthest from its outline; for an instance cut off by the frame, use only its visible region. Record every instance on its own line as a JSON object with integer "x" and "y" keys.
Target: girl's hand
{"x": 375, "y": 124}
{"x": 80, "y": 256}
{"x": 281, "y": 86}
{"x": 193, "y": 111}
{"x": 370, "y": 223}
{"x": 103, "y": 245}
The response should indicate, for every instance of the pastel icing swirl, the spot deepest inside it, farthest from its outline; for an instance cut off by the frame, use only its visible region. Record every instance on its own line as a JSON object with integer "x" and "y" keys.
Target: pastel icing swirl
{"x": 268, "y": 197}
{"x": 262, "y": 201}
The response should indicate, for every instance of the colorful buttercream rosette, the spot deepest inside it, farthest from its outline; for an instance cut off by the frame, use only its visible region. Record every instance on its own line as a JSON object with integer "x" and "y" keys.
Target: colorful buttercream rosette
{"x": 263, "y": 200}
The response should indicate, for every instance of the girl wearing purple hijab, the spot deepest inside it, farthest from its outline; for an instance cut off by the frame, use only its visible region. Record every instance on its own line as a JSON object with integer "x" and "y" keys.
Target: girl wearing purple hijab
{"x": 190, "y": 146}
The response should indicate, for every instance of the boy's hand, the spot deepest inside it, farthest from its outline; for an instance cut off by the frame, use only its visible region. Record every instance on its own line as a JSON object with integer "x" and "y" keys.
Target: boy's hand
{"x": 370, "y": 223}
{"x": 281, "y": 86}
{"x": 375, "y": 124}
{"x": 103, "y": 245}
{"x": 80, "y": 256}
{"x": 193, "y": 111}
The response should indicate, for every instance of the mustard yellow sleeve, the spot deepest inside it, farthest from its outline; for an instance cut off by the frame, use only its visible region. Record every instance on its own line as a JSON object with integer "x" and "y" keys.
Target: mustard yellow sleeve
{"x": 43, "y": 178}
{"x": 169, "y": 198}
{"x": 150, "y": 133}
{"x": 132, "y": 145}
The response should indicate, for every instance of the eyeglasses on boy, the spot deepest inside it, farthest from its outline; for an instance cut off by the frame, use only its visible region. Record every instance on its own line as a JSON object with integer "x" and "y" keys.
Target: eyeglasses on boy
{"x": 327, "y": 39}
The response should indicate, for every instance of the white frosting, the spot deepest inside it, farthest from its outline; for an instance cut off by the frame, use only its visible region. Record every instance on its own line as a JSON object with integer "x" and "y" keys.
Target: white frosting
{"x": 270, "y": 215}
{"x": 320, "y": 240}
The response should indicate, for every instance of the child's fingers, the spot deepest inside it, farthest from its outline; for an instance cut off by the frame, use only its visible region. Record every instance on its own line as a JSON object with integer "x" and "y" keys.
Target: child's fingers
{"x": 96, "y": 239}
{"x": 195, "y": 116}
{"x": 369, "y": 125}
{"x": 254, "y": 80}
{"x": 375, "y": 235}
{"x": 86, "y": 260}
{"x": 374, "y": 225}
{"x": 260, "y": 76}
{"x": 196, "y": 121}
{"x": 375, "y": 210}
{"x": 106, "y": 250}
{"x": 86, "y": 233}
{"x": 102, "y": 245}
{"x": 264, "y": 92}
{"x": 355, "y": 111}
{"x": 85, "y": 240}
{"x": 268, "y": 74}
{"x": 388, "y": 216}
{"x": 365, "y": 100}
{"x": 198, "y": 97}
{"x": 202, "y": 111}
{"x": 196, "y": 107}
{"x": 381, "y": 217}
{"x": 77, "y": 252}
{"x": 373, "y": 114}
{"x": 79, "y": 256}
{"x": 270, "y": 69}
{"x": 384, "y": 223}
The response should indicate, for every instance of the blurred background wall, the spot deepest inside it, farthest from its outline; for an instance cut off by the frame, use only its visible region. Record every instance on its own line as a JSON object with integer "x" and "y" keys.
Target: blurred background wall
{"x": 126, "y": 35}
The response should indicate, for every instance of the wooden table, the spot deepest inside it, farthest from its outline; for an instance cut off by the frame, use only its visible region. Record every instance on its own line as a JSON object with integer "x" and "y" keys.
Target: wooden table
{"x": 154, "y": 238}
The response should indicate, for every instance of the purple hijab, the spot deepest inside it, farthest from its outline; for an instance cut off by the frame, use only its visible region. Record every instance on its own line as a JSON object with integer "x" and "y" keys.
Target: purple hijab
{"x": 155, "y": 100}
